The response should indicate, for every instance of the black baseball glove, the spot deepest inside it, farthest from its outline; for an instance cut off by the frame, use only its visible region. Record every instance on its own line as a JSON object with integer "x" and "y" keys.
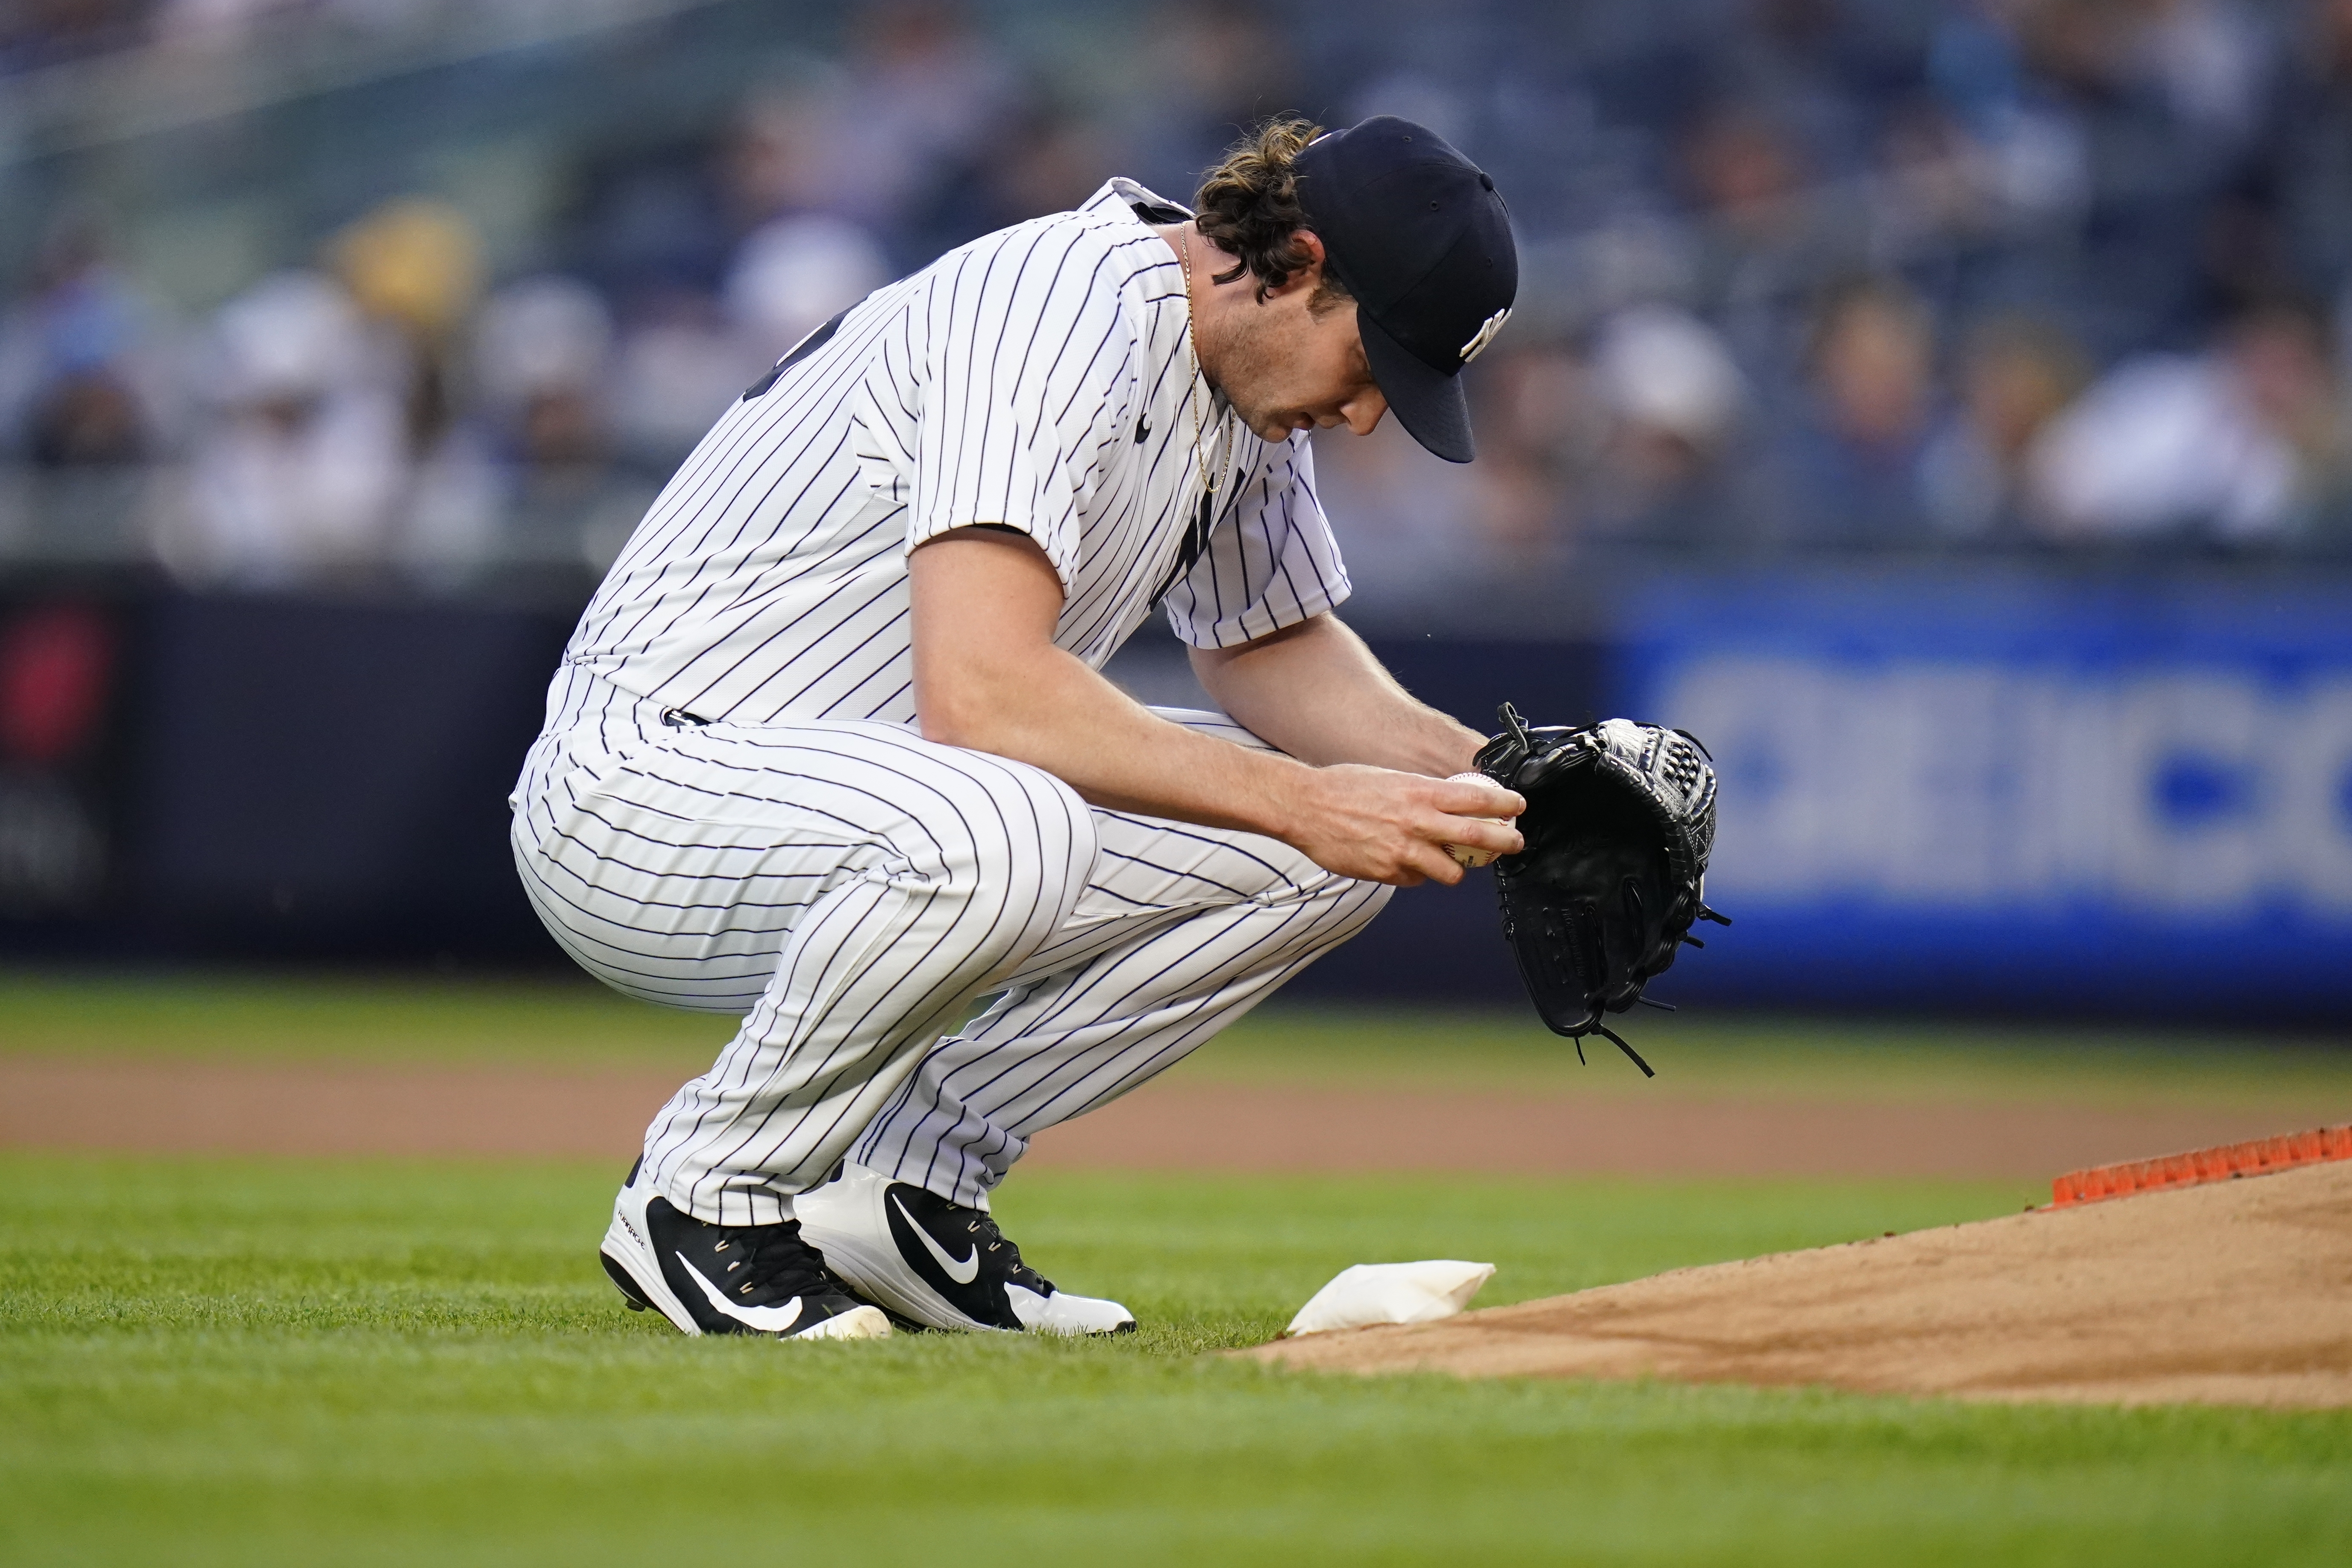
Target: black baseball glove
{"x": 1619, "y": 821}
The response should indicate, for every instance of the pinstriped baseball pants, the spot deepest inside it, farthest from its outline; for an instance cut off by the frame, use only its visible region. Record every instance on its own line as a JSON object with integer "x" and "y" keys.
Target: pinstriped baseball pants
{"x": 851, "y": 890}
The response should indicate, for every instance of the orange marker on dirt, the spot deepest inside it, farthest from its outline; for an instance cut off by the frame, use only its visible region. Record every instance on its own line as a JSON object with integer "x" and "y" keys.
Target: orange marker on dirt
{"x": 2224, "y": 1162}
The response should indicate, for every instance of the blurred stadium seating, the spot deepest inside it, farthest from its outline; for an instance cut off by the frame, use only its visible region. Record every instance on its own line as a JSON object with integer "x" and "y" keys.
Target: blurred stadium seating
{"x": 1897, "y": 387}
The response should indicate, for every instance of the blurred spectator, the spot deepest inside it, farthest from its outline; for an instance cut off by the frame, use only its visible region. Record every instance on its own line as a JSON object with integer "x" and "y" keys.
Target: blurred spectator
{"x": 657, "y": 220}
{"x": 413, "y": 267}
{"x": 772, "y": 160}
{"x": 794, "y": 274}
{"x": 2282, "y": 356}
{"x": 1745, "y": 169}
{"x": 2126, "y": 175}
{"x": 1537, "y": 428}
{"x": 680, "y": 364}
{"x": 332, "y": 446}
{"x": 1846, "y": 467}
{"x": 893, "y": 138}
{"x": 1207, "y": 68}
{"x": 2016, "y": 374}
{"x": 1769, "y": 232}
{"x": 542, "y": 369}
{"x": 81, "y": 378}
{"x": 1937, "y": 209}
{"x": 1933, "y": 176}
{"x": 1409, "y": 525}
{"x": 2158, "y": 96}
{"x": 2314, "y": 147}
{"x": 542, "y": 350}
{"x": 1827, "y": 66}
{"x": 2037, "y": 158}
{"x": 1675, "y": 404}
{"x": 1049, "y": 160}
{"x": 2211, "y": 60}
{"x": 688, "y": 355}
{"x": 2244, "y": 444}
{"x": 306, "y": 449}
{"x": 836, "y": 181}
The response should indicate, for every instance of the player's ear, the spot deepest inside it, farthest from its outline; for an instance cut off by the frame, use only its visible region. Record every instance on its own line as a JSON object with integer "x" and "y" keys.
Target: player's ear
{"x": 1309, "y": 278}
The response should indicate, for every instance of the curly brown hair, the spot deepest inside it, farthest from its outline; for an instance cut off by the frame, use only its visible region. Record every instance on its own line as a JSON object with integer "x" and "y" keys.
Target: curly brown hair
{"x": 1248, "y": 206}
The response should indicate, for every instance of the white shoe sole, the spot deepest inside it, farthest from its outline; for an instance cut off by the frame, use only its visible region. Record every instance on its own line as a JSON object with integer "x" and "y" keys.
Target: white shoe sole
{"x": 628, "y": 1250}
{"x": 1064, "y": 1313}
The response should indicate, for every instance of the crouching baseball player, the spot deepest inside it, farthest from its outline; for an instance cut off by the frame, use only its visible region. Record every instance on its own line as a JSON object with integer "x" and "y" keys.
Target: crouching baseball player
{"x": 830, "y": 751}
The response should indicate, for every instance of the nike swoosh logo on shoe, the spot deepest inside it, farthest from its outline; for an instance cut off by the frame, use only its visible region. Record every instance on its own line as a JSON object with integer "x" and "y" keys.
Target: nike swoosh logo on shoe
{"x": 962, "y": 1270}
{"x": 767, "y": 1320}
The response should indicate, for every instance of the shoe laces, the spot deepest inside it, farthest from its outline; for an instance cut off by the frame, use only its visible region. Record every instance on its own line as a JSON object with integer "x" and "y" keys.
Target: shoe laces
{"x": 1003, "y": 1253}
{"x": 771, "y": 1262}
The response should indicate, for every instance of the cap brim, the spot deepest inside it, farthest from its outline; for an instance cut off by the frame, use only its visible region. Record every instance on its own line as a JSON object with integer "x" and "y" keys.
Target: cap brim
{"x": 1430, "y": 406}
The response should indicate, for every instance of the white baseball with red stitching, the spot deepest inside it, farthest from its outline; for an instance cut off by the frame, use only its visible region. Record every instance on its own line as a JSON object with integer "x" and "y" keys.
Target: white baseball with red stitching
{"x": 1463, "y": 853}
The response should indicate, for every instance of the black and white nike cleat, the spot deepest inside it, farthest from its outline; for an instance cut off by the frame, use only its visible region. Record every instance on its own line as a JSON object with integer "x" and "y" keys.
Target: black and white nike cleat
{"x": 940, "y": 1264}
{"x": 727, "y": 1279}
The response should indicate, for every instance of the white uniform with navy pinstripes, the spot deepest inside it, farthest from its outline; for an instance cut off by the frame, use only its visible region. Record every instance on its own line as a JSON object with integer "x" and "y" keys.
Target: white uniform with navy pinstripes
{"x": 730, "y": 808}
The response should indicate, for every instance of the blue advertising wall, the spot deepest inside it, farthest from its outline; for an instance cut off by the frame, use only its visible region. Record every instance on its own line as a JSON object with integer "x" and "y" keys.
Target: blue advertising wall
{"x": 1997, "y": 787}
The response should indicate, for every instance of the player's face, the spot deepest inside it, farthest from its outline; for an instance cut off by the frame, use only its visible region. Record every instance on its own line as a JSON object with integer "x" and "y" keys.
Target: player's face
{"x": 1286, "y": 368}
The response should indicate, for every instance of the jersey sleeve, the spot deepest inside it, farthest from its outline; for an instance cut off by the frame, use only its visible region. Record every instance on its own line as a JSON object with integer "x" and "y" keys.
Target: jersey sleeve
{"x": 1031, "y": 377}
{"x": 1271, "y": 563}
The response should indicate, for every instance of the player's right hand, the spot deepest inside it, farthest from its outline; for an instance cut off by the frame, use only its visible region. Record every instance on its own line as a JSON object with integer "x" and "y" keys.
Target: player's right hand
{"x": 1381, "y": 826}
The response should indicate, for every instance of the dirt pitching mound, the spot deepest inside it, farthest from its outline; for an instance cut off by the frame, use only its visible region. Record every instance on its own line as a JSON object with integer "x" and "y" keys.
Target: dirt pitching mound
{"x": 2235, "y": 1293}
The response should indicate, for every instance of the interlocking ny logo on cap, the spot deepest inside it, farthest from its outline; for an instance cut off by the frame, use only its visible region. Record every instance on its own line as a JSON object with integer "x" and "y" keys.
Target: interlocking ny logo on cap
{"x": 1485, "y": 334}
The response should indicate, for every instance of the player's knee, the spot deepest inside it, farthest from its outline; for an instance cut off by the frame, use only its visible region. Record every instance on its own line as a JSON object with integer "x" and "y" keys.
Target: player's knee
{"x": 1289, "y": 876}
{"x": 1354, "y": 904}
{"x": 1333, "y": 908}
{"x": 1056, "y": 836}
{"x": 1031, "y": 840}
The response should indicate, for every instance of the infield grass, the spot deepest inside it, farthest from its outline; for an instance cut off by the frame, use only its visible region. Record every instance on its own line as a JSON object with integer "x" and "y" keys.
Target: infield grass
{"x": 252, "y": 1363}
{"x": 2305, "y": 1078}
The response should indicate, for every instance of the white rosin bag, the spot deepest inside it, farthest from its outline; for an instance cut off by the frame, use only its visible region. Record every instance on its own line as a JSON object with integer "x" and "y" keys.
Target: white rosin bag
{"x": 1372, "y": 1293}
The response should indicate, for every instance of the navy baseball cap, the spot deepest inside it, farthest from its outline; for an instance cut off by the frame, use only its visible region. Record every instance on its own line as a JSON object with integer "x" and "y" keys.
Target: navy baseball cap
{"x": 1417, "y": 234}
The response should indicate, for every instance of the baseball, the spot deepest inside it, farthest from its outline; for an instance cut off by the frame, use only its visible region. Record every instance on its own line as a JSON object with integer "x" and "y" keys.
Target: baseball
{"x": 1472, "y": 858}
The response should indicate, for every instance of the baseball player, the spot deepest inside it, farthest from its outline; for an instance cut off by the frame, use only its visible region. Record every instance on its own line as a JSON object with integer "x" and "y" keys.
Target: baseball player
{"x": 830, "y": 750}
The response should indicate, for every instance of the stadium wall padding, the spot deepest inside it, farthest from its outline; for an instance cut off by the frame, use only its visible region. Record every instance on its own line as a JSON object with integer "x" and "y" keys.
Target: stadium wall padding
{"x": 1966, "y": 788}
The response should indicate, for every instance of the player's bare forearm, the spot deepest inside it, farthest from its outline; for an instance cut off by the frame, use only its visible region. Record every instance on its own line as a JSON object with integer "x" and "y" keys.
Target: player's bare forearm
{"x": 1316, "y": 691}
{"x": 987, "y": 676}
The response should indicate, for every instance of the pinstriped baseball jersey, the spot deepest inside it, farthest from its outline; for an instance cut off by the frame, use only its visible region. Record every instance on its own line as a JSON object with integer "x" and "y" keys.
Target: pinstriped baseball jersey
{"x": 1038, "y": 377}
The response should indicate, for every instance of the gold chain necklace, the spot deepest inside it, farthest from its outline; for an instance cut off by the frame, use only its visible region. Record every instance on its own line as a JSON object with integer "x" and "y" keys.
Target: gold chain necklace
{"x": 1209, "y": 476}
{"x": 1205, "y": 517}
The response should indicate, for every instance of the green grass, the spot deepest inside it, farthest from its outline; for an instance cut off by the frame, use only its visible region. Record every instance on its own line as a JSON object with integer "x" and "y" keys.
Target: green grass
{"x": 250, "y": 1364}
{"x": 379, "y": 1363}
{"x": 413, "y": 1017}
{"x": 2305, "y": 1078}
